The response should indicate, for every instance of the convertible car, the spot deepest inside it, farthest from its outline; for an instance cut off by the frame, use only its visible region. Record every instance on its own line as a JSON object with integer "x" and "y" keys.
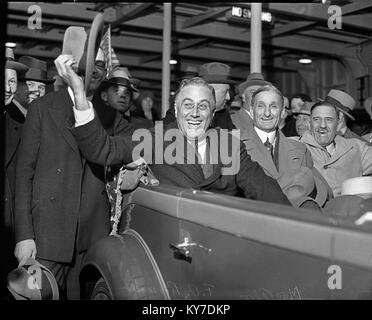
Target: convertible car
{"x": 186, "y": 244}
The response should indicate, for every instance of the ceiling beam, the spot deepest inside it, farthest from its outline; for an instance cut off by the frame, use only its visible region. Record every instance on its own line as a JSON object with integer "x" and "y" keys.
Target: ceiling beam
{"x": 126, "y": 13}
{"x": 290, "y": 27}
{"x": 356, "y": 7}
{"x": 220, "y": 31}
{"x": 182, "y": 45}
{"x": 319, "y": 12}
{"x": 198, "y": 19}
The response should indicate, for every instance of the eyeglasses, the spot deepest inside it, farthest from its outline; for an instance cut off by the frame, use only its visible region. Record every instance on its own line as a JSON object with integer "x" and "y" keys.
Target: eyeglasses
{"x": 201, "y": 106}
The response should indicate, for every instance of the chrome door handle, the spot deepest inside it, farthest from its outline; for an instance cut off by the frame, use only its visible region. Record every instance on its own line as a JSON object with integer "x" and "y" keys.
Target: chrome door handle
{"x": 186, "y": 245}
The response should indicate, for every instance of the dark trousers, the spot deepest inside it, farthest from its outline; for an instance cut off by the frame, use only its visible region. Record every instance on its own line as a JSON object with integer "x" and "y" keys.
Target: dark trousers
{"x": 67, "y": 276}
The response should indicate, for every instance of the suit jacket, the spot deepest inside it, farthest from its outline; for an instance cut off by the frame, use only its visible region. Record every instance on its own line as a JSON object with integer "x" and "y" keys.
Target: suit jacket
{"x": 60, "y": 197}
{"x": 14, "y": 120}
{"x": 246, "y": 174}
{"x": 292, "y": 159}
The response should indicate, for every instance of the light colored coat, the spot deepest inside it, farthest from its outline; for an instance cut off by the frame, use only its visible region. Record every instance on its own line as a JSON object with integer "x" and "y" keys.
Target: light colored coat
{"x": 352, "y": 158}
{"x": 293, "y": 159}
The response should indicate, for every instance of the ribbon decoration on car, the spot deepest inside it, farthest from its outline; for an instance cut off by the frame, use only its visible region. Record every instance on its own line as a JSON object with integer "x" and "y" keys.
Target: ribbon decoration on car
{"x": 127, "y": 180}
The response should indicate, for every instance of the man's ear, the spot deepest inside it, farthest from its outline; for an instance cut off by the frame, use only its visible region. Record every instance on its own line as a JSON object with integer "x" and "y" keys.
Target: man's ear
{"x": 104, "y": 96}
{"x": 282, "y": 114}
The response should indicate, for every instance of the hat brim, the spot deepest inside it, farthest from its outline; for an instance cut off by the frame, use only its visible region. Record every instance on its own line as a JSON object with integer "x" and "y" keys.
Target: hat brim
{"x": 46, "y": 81}
{"x": 251, "y": 83}
{"x": 216, "y": 80}
{"x": 18, "y": 282}
{"x": 17, "y": 66}
{"x": 94, "y": 40}
{"x": 339, "y": 109}
{"x": 300, "y": 112}
{"x": 121, "y": 81}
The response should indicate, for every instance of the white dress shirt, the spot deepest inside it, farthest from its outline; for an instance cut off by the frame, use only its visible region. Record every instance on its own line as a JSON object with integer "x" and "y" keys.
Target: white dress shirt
{"x": 263, "y": 135}
{"x": 81, "y": 116}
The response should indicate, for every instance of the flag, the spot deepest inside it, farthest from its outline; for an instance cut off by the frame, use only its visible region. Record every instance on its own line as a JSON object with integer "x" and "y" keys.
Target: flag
{"x": 106, "y": 48}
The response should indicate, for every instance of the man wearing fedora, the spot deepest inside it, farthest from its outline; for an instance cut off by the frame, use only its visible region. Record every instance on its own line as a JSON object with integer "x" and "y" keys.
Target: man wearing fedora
{"x": 296, "y": 103}
{"x": 118, "y": 92}
{"x": 302, "y": 118}
{"x": 345, "y": 103}
{"x": 283, "y": 159}
{"x": 335, "y": 157}
{"x": 61, "y": 202}
{"x": 218, "y": 75}
{"x": 33, "y": 84}
{"x": 14, "y": 115}
{"x": 242, "y": 117}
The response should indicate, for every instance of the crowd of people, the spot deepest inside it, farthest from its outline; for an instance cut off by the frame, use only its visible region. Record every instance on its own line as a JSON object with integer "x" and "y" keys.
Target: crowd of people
{"x": 59, "y": 145}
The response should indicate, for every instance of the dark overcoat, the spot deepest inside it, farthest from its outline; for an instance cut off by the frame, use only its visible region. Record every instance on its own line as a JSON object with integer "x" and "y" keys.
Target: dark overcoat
{"x": 60, "y": 197}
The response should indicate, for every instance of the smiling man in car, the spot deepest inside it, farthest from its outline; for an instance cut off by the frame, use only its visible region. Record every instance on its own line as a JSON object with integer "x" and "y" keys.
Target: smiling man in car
{"x": 195, "y": 105}
{"x": 335, "y": 157}
{"x": 286, "y": 160}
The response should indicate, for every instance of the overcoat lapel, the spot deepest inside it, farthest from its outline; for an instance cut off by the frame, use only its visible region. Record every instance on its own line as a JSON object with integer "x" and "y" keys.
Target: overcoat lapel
{"x": 15, "y": 130}
{"x": 257, "y": 150}
{"x": 60, "y": 112}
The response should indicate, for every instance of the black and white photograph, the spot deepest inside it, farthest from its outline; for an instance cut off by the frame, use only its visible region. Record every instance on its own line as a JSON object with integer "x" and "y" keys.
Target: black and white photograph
{"x": 201, "y": 151}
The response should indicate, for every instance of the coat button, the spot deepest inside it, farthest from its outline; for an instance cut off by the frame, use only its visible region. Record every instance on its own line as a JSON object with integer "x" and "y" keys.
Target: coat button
{"x": 52, "y": 198}
{"x": 58, "y": 171}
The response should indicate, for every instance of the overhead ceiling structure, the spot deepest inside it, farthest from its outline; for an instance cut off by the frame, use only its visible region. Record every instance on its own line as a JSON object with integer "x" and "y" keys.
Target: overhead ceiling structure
{"x": 202, "y": 32}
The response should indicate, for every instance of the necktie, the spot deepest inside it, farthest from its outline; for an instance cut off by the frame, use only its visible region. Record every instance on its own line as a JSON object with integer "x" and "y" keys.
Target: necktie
{"x": 269, "y": 147}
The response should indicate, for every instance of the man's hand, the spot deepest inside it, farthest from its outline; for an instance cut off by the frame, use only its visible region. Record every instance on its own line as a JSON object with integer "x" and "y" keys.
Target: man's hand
{"x": 65, "y": 65}
{"x": 24, "y": 250}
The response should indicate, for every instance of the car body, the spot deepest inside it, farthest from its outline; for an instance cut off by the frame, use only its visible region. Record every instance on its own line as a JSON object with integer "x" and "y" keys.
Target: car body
{"x": 187, "y": 244}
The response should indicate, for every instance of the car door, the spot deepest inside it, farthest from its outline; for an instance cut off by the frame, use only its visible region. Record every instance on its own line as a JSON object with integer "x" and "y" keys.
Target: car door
{"x": 253, "y": 254}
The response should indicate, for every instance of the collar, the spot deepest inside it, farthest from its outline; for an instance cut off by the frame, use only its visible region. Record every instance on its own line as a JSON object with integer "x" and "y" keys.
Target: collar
{"x": 20, "y": 107}
{"x": 331, "y": 148}
{"x": 263, "y": 135}
{"x": 247, "y": 112}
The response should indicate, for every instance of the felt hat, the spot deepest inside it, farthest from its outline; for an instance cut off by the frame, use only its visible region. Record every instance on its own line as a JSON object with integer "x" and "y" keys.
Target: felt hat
{"x": 306, "y": 108}
{"x": 32, "y": 281}
{"x": 298, "y": 185}
{"x": 253, "y": 79}
{"x": 357, "y": 186}
{"x": 344, "y": 206}
{"x": 83, "y": 46}
{"x": 342, "y": 101}
{"x": 10, "y": 62}
{"x": 368, "y": 106}
{"x": 191, "y": 71}
{"x": 216, "y": 72}
{"x": 37, "y": 70}
{"x": 121, "y": 76}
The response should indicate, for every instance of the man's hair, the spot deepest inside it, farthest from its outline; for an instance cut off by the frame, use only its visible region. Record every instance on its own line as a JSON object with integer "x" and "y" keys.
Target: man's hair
{"x": 303, "y": 96}
{"x": 326, "y": 104}
{"x": 196, "y": 81}
{"x": 267, "y": 88}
